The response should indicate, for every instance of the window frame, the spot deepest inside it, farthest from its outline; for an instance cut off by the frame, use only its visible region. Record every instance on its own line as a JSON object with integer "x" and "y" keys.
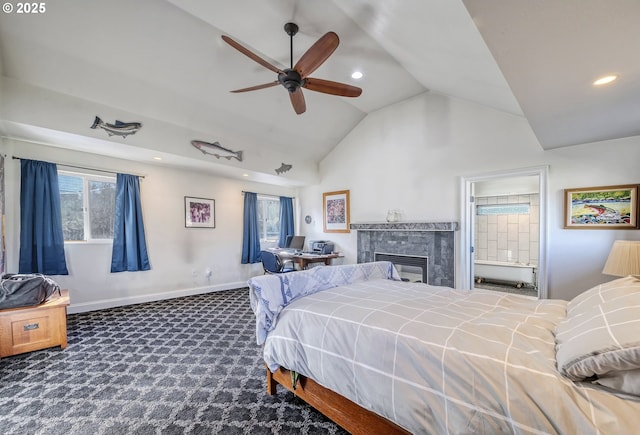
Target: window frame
{"x": 87, "y": 177}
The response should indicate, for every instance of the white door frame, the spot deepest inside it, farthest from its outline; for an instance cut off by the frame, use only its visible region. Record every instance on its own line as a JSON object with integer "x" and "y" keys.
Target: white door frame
{"x": 465, "y": 274}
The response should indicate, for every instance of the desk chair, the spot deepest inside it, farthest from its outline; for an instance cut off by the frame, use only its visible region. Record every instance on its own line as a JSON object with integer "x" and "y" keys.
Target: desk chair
{"x": 271, "y": 263}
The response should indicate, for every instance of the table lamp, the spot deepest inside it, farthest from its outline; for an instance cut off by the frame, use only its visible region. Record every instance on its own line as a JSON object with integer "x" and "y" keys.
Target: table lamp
{"x": 624, "y": 258}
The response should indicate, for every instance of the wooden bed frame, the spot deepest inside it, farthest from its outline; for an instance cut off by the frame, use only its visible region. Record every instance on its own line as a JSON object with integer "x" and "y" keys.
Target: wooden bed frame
{"x": 347, "y": 414}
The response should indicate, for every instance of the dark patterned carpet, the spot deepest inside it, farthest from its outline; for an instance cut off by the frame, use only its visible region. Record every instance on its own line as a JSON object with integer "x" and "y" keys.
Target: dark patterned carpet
{"x": 183, "y": 366}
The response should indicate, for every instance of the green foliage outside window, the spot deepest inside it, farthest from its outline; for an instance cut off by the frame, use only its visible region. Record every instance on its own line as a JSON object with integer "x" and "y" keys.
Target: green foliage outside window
{"x": 87, "y": 207}
{"x": 269, "y": 218}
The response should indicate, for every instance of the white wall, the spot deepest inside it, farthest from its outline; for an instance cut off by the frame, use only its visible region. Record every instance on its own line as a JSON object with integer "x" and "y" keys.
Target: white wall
{"x": 410, "y": 156}
{"x": 175, "y": 252}
{"x": 64, "y": 120}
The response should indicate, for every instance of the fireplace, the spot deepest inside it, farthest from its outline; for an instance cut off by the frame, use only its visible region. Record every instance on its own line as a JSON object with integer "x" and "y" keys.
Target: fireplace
{"x": 433, "y": 241}
{"x": 414, "y": 268}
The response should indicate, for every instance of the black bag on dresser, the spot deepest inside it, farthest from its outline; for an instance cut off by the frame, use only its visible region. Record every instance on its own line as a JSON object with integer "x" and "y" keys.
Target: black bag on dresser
{"x": 23, "y": 290}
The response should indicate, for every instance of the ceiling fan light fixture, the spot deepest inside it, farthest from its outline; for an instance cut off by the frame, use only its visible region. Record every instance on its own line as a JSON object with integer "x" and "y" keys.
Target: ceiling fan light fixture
{"x": 605, "y": 80}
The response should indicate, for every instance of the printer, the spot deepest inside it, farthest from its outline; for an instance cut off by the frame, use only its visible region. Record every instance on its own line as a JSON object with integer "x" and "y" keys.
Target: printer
{"x": 321, "y": 246}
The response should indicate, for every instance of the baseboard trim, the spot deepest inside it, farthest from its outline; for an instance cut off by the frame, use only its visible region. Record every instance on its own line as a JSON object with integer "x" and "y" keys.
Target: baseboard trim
{"x": 102, "y": 304}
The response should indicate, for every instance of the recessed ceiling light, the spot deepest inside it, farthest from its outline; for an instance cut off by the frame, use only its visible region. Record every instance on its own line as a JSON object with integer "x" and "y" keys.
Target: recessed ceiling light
{"x": 157, "y": 158}
{"x": 356, "y": 75}
{"x": 604, "y": 80}
{"x": 245, "y": 175}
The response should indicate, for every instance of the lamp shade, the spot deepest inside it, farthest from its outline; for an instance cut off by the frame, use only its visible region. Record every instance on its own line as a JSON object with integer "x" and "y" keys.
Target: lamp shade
{"x": 624, "y": 258}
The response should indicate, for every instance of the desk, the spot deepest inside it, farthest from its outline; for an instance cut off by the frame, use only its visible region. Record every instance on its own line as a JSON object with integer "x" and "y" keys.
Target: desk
{"x": 303, "y": 260}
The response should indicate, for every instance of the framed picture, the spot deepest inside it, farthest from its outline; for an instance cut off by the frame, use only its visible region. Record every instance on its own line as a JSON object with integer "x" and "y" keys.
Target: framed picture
{"x": 604, "y": 207}
{"x": 199, "y": 212}
{"x": 336, "y": 211}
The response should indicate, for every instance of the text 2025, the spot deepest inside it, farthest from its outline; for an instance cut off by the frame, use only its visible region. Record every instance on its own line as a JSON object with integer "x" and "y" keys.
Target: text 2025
{"x": 31, "y": 8}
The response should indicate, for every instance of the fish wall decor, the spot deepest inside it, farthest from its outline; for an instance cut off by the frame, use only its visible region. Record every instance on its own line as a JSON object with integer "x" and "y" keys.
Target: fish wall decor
{"x": 283, "y": 168}
{"x": 120, "y": 128}
{"x": 217, "y": 150}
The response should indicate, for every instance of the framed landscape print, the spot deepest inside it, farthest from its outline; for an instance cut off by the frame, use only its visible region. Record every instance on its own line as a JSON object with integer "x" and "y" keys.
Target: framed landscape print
{"x": 336, "y": 211}
{"x": 199, "y": 212}
{"x": 606, "y": 207}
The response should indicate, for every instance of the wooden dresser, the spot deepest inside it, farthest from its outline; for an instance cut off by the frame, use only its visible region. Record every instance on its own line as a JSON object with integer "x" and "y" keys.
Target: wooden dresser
{"x": 32, "y": 328}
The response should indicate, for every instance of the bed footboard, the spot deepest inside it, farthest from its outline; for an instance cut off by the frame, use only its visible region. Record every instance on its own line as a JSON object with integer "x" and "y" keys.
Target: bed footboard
{"x": 347, "y": 414}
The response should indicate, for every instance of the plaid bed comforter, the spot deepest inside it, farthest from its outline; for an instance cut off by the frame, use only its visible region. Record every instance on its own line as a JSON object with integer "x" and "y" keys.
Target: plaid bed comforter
{"x": 436, "y": 360}
{"x": 269, "y": 294}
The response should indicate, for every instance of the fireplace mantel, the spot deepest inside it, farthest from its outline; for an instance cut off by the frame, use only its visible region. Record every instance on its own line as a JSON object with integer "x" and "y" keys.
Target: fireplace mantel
{"x": 405, "y": 226}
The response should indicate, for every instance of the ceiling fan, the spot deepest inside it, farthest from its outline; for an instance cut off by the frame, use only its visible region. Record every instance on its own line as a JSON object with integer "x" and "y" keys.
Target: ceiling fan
{"x": 297, "y": 77}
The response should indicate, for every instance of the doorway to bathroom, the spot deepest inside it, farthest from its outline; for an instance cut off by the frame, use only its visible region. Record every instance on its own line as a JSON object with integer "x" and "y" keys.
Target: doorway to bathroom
{"x": 503, "y": 231}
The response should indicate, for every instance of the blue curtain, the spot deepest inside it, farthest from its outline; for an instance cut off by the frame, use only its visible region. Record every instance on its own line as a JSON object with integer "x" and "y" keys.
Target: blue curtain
{"x": 250, "y": 235}
{"x": 286, "y": 219}
{"x": 129, "y": 244}
{"x": 41, "y": 239}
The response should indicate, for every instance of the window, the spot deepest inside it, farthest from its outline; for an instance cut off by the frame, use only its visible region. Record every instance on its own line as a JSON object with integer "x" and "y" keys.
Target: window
{"x": 268, "y": 218}
{"x": 503, "y": 209}
{"x": 87, "y": 203}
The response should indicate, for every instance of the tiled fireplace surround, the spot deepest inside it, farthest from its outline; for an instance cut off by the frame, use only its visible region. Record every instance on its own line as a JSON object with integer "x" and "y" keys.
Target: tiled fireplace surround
{"x": 435, "y": 240}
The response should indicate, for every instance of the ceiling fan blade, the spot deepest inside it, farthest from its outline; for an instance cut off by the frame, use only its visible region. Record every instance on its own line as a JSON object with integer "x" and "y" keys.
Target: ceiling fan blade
{"x": 255, "y": 88}
{"x": 297, "y": 101}
{"x": 317, "y": 54}
{"x": 333, "y": 88}
{"x": 250, "y": 54}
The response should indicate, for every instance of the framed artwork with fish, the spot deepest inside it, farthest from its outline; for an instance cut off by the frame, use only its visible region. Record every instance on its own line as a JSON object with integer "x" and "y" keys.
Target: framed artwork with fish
{"x": 604, "y": 207}
{"x": 336, "y": 211}
{"x": 199, "y": 212}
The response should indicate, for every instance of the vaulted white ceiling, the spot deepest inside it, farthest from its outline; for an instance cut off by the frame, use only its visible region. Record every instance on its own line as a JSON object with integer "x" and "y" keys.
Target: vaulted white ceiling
{"x": 163, "y": 63}
{"x": 551, "y": 52}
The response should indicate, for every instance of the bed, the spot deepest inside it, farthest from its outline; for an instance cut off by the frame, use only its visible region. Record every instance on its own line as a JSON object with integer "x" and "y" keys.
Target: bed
{"x": 380, "y": 355}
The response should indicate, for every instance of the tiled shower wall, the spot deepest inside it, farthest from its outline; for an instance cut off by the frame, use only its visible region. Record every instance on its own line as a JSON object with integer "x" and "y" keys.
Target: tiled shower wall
{"x": 511, "y": 238}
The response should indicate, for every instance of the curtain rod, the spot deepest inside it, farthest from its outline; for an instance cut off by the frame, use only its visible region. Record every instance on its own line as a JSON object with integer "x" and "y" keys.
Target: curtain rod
{"x": 268, "y": 194}
{"x": 79, "y": 167}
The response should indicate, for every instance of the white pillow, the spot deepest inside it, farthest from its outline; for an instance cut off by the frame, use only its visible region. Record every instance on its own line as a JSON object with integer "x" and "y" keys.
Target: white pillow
{"x": 601, "y": 335}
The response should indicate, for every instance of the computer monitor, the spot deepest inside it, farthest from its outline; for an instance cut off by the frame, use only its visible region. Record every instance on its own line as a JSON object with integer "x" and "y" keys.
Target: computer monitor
{"x": 287, "y": 241}
{"x": 297, "y": 243}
